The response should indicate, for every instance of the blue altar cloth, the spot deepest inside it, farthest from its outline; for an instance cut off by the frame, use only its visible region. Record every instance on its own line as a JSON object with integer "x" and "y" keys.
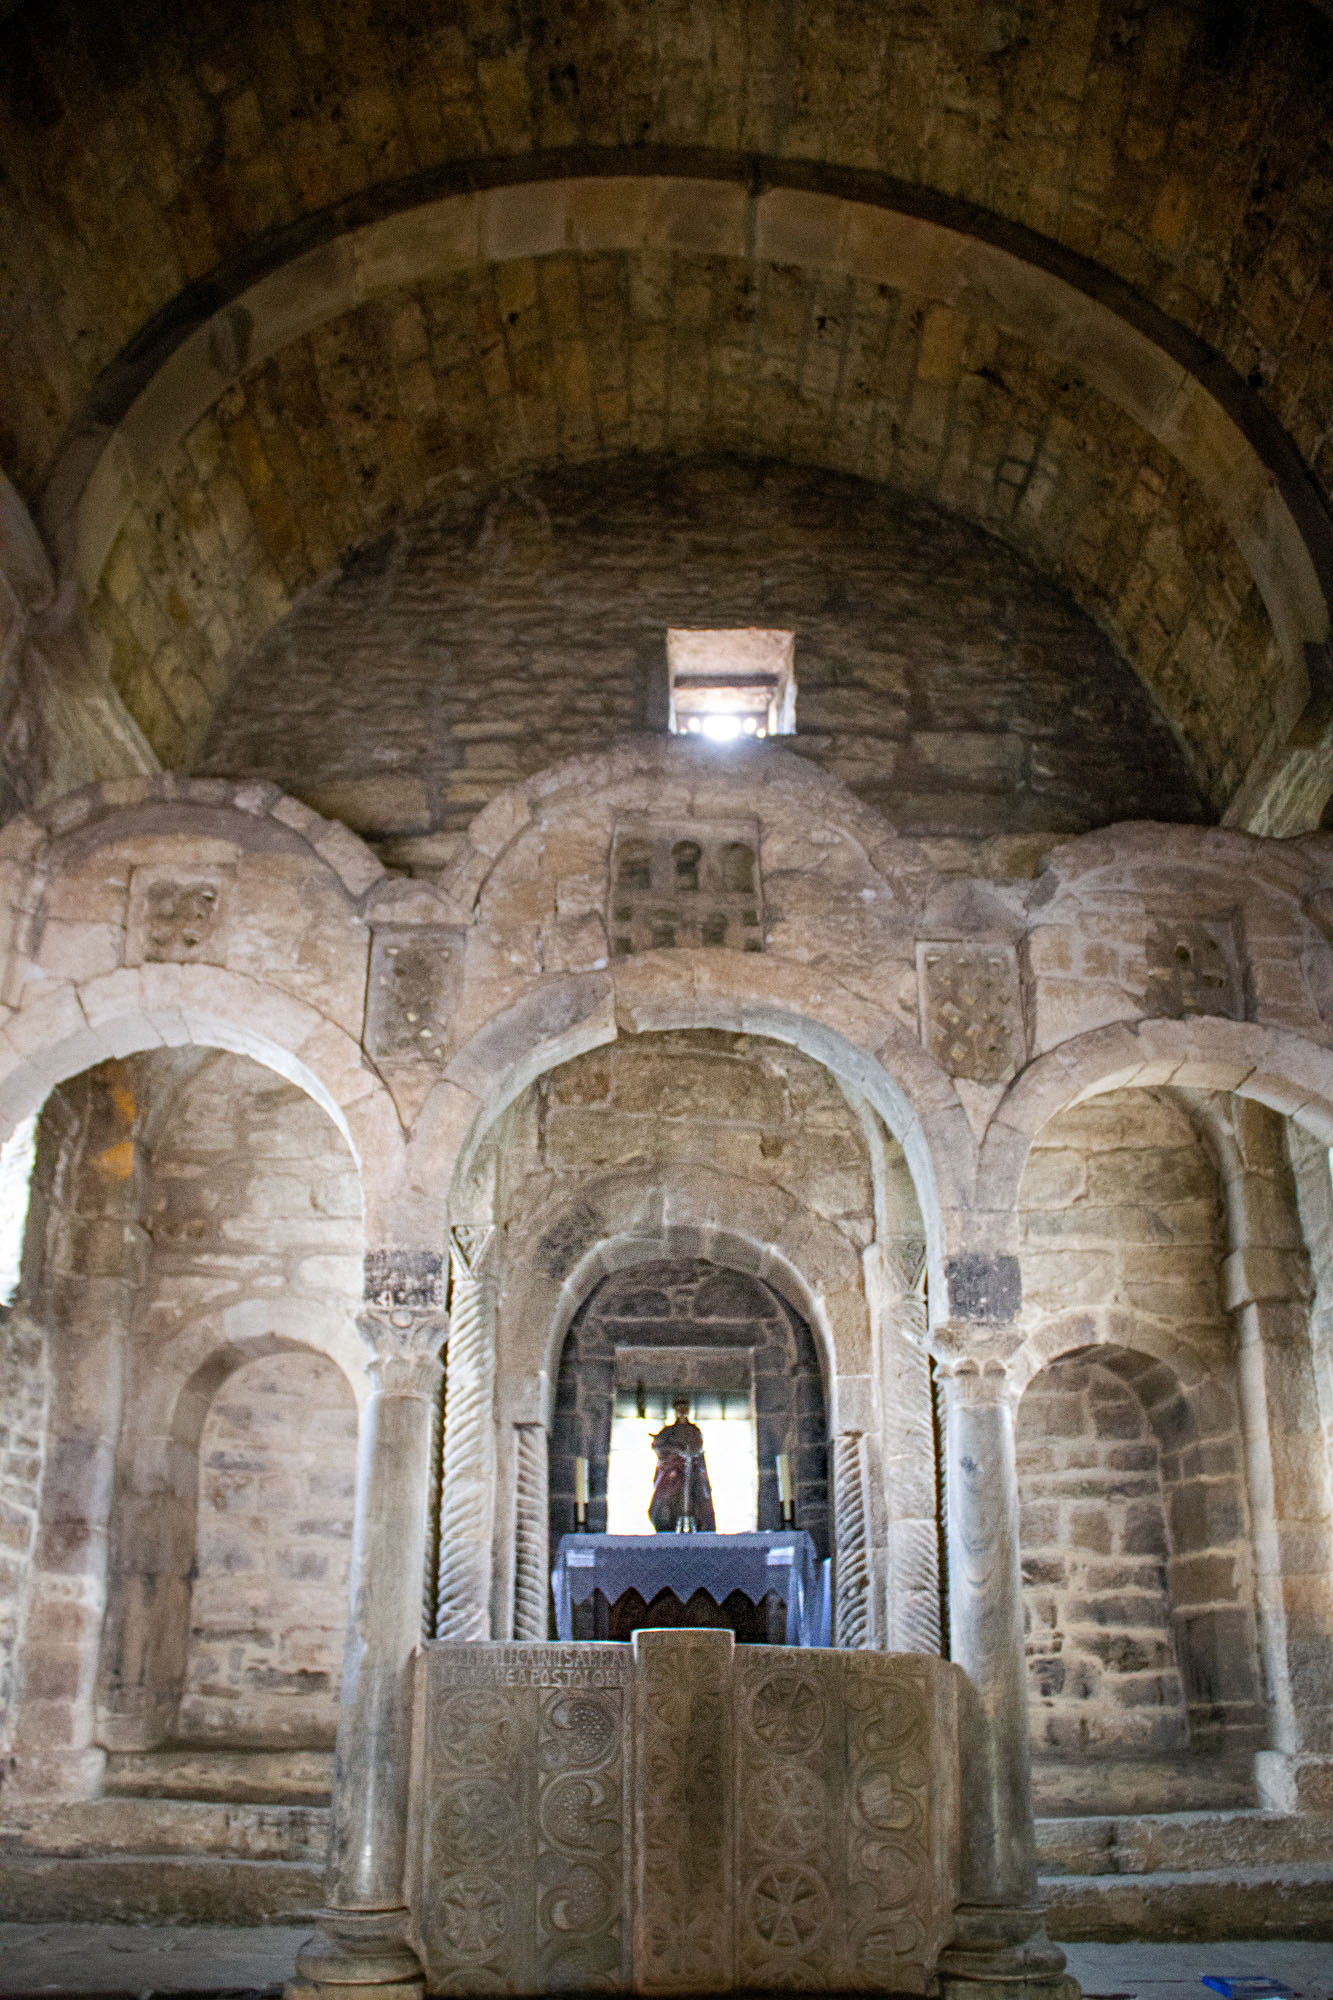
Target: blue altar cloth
{"x": 785, "y": 1564}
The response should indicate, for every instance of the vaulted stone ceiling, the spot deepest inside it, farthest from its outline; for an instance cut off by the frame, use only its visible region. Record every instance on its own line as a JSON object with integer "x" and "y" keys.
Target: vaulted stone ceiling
{"x": 1136, "y": 389}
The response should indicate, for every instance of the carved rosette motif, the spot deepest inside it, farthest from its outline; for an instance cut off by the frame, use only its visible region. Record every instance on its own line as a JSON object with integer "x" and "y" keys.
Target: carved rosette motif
{"x": 522, "y": 1868}
{"x": 786, "y": 1788}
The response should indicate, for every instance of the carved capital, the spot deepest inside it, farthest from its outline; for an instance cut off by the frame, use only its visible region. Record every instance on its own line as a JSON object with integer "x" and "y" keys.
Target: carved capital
{"x": 468, "y": 1245}
{"x": 975, "y": 1365}
{"x": 406, "y": 1343}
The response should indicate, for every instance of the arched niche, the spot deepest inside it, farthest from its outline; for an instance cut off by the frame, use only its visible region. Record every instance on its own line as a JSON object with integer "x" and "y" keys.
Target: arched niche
{"x": 695, "y": 1312}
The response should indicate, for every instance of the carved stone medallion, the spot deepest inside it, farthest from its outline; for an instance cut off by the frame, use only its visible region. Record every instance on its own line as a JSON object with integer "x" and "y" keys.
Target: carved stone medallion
{"x": 176, "y": 916}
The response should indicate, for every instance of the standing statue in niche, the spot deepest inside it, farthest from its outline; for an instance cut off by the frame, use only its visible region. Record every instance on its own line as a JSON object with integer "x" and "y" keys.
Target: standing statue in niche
{"x": 682, "y": 1499}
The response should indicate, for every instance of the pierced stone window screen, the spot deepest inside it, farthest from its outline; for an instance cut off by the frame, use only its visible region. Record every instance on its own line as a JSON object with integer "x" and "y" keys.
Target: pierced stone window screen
{"x": 682, "y": 886}
{"x": 726, "y": 685}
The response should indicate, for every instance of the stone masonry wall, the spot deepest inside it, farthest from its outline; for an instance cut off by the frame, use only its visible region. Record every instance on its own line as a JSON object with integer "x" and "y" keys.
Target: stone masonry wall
{"x": 1121, "y": 1209}
{"x": 737, "y": 1104}
{"x": 23, "y": 1401}
{"x": 1102, "y": 1667}
{"x": 252, "y": 1205}
{"x": 937, "y": 674}
{"x": 277, "y": 1482}
{"x": 1123, "y": 1236}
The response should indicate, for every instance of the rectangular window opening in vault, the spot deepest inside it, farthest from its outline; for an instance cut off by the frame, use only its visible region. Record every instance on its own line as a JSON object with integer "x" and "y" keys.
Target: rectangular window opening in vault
{"x": 725, "y": 685}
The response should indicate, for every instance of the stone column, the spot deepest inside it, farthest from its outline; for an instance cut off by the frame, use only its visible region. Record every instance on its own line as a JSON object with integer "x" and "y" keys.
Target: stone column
{"x": 851, "y": 1566}
{"x": 467, "y": 1495}
{"x": 532, "y": 1538}
{"x": 1000, "y": 1940}
{"x": 1267, "y": 1288}
{"x": 364, "y": 1928}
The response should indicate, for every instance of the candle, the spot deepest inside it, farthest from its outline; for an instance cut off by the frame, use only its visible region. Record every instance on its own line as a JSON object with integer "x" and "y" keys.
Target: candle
{"x": 784, "y": 1481}
{"x": 580, "y": 1486}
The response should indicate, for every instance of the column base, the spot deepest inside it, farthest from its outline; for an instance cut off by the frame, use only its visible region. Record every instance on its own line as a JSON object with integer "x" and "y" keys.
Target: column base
{"x": 1000, "y": 1953}
{"x": 1294, "y": 1781}
{"x": 359, "y": 1955}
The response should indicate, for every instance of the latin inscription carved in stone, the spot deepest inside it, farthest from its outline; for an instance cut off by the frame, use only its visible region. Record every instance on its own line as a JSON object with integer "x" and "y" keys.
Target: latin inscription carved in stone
{"x": 971, "y": 1009}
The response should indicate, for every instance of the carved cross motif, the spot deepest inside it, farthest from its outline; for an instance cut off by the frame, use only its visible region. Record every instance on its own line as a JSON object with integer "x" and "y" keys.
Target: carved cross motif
{"x": 971, "y": 1009}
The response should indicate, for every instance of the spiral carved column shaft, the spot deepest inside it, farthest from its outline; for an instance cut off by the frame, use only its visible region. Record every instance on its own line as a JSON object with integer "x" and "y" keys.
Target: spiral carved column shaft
{"x": 467, "y": 1495}
{"x": 531, "y": 1532}
{"x": 851, "y": 1562}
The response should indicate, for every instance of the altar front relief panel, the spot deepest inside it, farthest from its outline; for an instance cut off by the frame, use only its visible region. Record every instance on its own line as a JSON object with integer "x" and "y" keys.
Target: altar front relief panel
{"x": 680, "y": 1816}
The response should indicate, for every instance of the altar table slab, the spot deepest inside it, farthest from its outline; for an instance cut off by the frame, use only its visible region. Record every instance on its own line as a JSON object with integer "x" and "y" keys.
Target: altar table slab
{"x": 757, "y": 1565}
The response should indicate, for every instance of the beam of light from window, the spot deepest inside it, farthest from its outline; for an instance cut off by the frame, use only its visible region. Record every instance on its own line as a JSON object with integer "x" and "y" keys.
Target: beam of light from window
{"x": 733, "y": 1470}
{"x": 16, "y": 1156}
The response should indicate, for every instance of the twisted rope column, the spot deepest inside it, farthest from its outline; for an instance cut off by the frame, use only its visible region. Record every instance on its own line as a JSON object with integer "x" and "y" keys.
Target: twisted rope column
{"x": 467, "y": 1493}
{"x": 531, "y": 1532}
{"x": 913, "y": 1595}
{"x": 851, "y": 1561}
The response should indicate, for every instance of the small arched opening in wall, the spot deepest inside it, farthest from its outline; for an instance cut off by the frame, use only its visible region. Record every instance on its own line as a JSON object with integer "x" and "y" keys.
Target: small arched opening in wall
{"x": 1144, "y": 1680}
{"x": 721, "y": 1337}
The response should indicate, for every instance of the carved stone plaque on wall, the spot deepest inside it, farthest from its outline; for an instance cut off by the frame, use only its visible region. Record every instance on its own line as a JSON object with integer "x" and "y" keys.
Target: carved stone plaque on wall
{"x": 684, "y": 884}
{"x": 1192, "y": 969}
{"x": 414, "y": 977}
{"x": 176, "y": 915}
{"x": 972, "y": 1009}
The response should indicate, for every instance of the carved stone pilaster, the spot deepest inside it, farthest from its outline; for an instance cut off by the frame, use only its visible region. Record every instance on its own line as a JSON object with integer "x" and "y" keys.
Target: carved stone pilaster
{"x": 531, "y": 1532}
{"x": 467, "y": 1498}
{"x": 851, "y": 1565}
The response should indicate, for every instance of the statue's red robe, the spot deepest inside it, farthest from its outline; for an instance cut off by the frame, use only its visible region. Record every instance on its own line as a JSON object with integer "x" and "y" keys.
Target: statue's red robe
{"x": 675, "y": 1446}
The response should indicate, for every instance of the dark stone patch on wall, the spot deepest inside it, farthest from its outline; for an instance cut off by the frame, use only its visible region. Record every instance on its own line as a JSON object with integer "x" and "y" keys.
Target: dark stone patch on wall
{"x": 939, "y": 675}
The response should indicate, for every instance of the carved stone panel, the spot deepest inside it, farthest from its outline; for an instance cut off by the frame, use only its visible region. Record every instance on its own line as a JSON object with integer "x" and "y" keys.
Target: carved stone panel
{"x": 521, "y": 1869}
{"x": 414, "y": 976}
{"x": 177, "y": 916}
{"x": 683, "y": 1901}
{"x": 972, "y": 1009}
{"x": 681, "y": 1815}
{"x": 1192, "y": 969}
{"x": 848, "y": 1800}
{"x": 684, "y": 884}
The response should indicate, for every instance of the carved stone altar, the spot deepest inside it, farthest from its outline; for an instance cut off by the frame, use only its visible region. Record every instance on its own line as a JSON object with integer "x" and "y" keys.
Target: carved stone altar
{"x": 680, "y": 1816}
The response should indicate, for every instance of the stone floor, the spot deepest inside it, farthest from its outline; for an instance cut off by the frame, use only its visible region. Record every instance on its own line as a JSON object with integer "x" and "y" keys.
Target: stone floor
{"x": 153, "y": 1962}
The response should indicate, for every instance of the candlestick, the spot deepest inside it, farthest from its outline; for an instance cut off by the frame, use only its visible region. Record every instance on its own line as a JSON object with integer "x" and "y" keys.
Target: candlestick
{"x": 785, "y": 1506}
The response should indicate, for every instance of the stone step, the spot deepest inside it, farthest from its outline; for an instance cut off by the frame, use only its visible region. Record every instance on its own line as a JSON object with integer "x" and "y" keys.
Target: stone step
{"x": 156, "y": 1888}
{"x": 165, "y": 1827}
{"x": 1180, "y": 1843}
{"x": 1290, "y": 1901}
{"x": 1070, "y": 1788}
{"x": 266, "y": 1777}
